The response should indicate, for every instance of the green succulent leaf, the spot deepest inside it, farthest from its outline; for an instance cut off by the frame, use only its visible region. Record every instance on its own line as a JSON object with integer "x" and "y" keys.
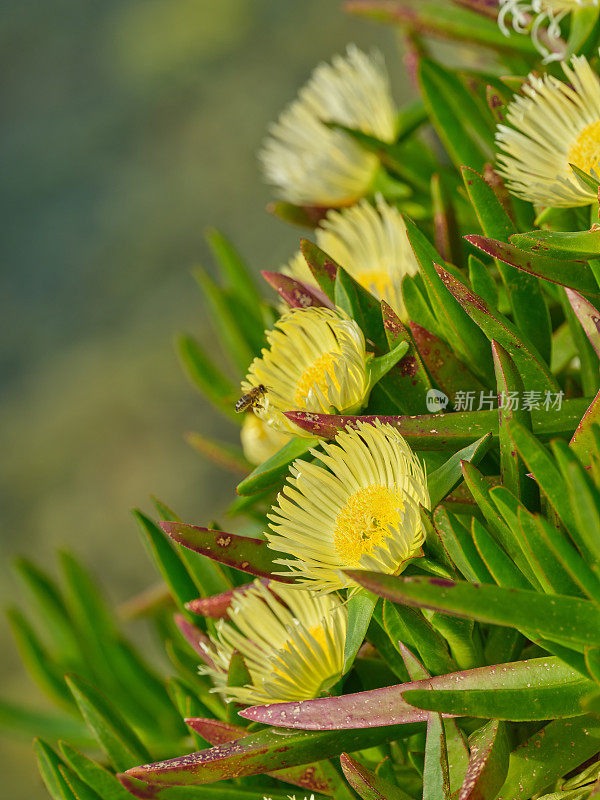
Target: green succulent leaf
{"x": 436, "y": 775}
{"x": 227, "y": 317}
{"x": 568, "y": 245}
{"x": 444, "y": 479}
{"x": 115, "y": 736}
{"x": 367, "y": 784}
{"x": 465, "y": 335}
{"x": 438, "y": 19}
{"x": 235, "y": 271}
{"x": 556, "y": 749}
{"x": 360, "y": 610}
{"x": 266, "y": 750}
{"x": 466, "y": 133}
{"x": 574, "y": 620}
{"x": 540, "y": 703}
{"x": 168, "y": 561}
{"x": 49, "y": 766}
{"x": 407, "y": 626}
{"x": 442, "y": 363}
{"x": 42, "y": 667}
{"x": 242, "y": 552}
{"x": 532, "y": 367}
{"x": 322, "y": 266}
{"x": 271, "y": 471}
{"x": 529, "y": 309}
{"x": 460, "y": 546}
{"x": 573, "y": 274}
{"x": 488, "y": 763}
{"x": 409, "y": 382}
{"x": 380, "y": 366}
{"x": 103, "y": 782}
{"x": 442, "y": 432}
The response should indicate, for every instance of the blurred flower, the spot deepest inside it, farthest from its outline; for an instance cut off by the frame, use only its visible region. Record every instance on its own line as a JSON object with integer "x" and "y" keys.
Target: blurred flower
{"x": 543, "y": 11}
{"x": 311, "y": 164}
{"x": 357, "y": 508}
{"x": 293, "y": 797}
{"x": 371, "y": 244}
{"x": 259, "y": 440}
{"x": 552, "y": 125}
{"x": 316, "y": 359}
{"x": 291, "y": 639}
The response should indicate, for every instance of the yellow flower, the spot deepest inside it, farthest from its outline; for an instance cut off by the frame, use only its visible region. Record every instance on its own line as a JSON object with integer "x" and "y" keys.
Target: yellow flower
{"x": 371, "y": 244}
{"x": 552, "y": 125}
{"x": 259, "y": 440}
{"x": 357, "y": 507}
{"x": 291, "y": 639}
{"x": 315, "y": 359}
{"x": 311, "y": 164}
{"x": 532, "y": 15}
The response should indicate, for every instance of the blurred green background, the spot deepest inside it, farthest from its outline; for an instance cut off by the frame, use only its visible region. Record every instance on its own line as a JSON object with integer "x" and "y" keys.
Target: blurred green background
{"x": 128, "y": 127}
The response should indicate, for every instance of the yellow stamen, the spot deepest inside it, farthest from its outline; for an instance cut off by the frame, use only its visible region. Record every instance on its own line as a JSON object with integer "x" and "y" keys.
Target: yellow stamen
{"x": 376, "y": 281}
{"x": 585, "y": 150}
{"x": 365, "y": 521}
{"x": 316, "y": 634}
{"x": 316, "y": 376}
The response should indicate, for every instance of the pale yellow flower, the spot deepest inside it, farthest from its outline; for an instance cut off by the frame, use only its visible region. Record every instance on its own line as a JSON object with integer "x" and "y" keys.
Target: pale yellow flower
{"x": 315, "y": 360}
{"x": 537, "y": 16}
{"x": 551, "y": 125}
{"x": 293, "y": 797}
{"x": 356, "y": 507}
{"x": 259, "y": 440}
{"x": 292, "y": 641}
{"x": 371, "y": 244}
{"x": 311, "y": 164}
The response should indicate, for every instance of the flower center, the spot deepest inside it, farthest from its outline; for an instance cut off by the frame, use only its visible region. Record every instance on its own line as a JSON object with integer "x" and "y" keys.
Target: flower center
{"x": 585, "y": 150}
{"x": 303, "y": 677}
{"x": 365, "y": 521}
{"x": 316, "y": 376}
{"x": 377, "y": 281}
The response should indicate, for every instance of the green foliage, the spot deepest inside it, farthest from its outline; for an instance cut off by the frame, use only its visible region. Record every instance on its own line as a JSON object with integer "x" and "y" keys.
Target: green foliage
{"x": 476, "y": 672}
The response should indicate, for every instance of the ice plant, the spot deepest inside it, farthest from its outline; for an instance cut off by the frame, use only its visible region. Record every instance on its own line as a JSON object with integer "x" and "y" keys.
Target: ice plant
{"x": 292, "y": 642}
{"x": 308, "y": 162}
{"x": 370, "y": 242}
{"x": 356, "y": 507}
{"x": 430, "y": 572}
{"x": 259, "y": 440}
{"x": 552, "y": 125}
{"x": 539, "y": 17}
{"x": 315, "y": 360}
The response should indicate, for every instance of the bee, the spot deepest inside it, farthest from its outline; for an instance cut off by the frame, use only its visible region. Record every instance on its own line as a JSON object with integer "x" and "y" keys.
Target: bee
{"x": 251, "y": 399}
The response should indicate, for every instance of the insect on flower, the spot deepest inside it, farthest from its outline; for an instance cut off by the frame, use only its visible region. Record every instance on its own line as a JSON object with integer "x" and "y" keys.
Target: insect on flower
{"x": 315, "y": 359}
{"x": 252, "y": 398}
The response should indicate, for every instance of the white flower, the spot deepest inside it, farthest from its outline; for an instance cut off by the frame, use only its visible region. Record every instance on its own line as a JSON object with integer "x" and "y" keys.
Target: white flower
{"x": 551, "y": 125}
{"x": 293, "y": 797}
{"x": 357, "y": 506}
{"x": 291, "y": 639}
{"x": 311, "y": 164}
{"x": 371, "y": 244}
{"x": 534, "y": 15}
